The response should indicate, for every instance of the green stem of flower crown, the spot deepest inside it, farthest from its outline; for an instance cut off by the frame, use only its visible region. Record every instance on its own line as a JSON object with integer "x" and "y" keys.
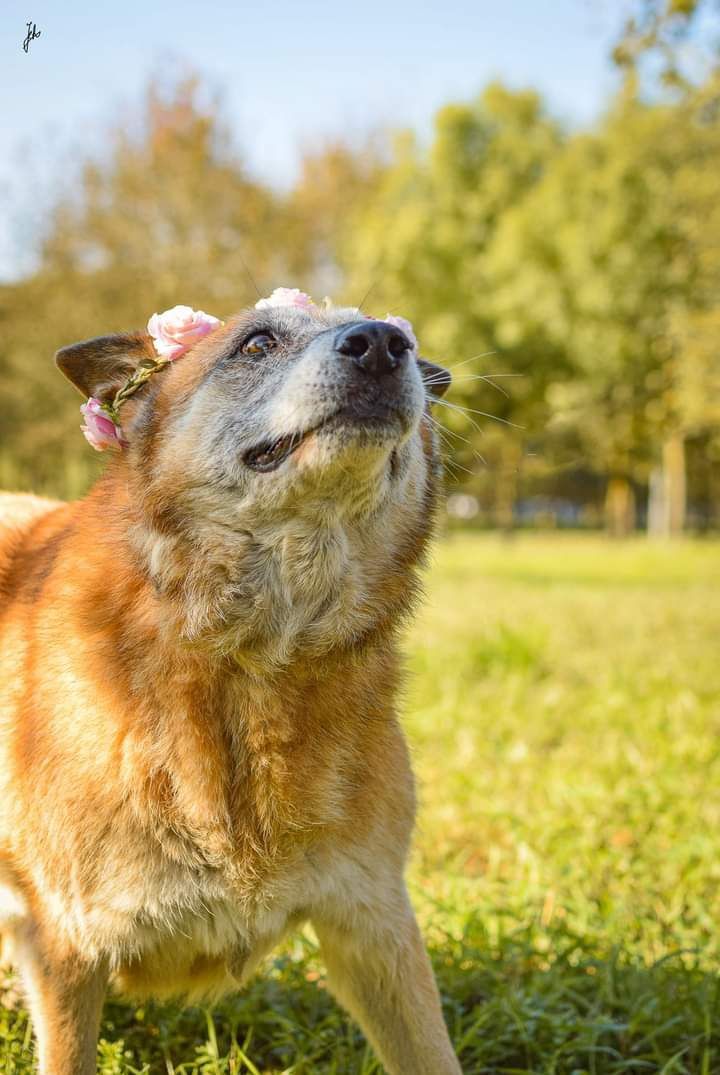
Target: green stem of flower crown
{"x": 142, "y": 375}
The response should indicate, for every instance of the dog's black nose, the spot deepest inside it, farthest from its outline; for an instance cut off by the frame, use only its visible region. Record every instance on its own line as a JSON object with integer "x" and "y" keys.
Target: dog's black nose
{"x": 374, "y": 346}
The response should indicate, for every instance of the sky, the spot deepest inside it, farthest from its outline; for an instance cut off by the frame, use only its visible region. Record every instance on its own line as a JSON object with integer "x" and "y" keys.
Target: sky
{"x": 290, "y": 73}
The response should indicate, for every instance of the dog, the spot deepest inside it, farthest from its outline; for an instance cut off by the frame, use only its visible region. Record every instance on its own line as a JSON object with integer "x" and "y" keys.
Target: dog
{"x": 199, "y": 746}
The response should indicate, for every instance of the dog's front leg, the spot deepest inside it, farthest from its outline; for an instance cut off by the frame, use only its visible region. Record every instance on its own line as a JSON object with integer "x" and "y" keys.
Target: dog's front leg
{"x": 379, "y": 971}
{"x": 65, "y": 995}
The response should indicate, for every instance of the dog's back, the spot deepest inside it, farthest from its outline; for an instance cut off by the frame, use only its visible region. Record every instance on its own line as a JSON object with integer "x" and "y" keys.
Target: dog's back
{"x": 17, "y": 511}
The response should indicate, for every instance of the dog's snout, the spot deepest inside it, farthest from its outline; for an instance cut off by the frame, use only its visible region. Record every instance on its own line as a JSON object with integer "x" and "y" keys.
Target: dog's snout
{"x": 374, "y": 346}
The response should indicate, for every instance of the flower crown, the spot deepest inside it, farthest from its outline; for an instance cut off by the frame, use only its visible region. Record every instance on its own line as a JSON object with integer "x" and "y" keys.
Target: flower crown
{"x": 173, "y": 333}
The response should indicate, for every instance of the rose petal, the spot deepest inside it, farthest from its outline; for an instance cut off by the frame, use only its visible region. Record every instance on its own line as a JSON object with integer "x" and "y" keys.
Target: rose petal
{"x": 99, "y": 429}
{"x": 175, "y": 331}
{"x": 285, "y": 296}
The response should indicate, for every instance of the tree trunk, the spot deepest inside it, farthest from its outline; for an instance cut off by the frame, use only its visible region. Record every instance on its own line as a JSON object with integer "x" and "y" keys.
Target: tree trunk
{"x": 506, "y": 486}
{"x": 656, "y": 503}
{"x": 667, "y": 491}
{"x": 619, "y": 507}
{"x": 674, "y": 484}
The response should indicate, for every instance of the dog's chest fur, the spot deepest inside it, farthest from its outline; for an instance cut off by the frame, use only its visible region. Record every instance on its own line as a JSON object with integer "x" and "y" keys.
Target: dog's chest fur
{"x": 246, "y": 802}
{"x": 213, "y": 797}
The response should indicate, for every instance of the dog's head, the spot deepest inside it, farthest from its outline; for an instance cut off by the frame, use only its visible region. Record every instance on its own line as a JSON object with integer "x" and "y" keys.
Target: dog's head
{"x": 283, "y": 470}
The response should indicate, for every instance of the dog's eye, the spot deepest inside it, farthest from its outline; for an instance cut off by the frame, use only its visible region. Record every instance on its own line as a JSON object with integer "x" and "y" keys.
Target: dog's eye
{"x": 259, "y": 343}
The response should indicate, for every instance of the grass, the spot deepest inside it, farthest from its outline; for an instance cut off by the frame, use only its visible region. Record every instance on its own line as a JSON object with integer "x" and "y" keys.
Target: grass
{"x": 564, "y": 712}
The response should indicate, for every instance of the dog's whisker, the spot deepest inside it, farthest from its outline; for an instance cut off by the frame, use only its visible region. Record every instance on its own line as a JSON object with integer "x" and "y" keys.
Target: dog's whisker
{"x": 444, "y": 432}
{"x": 469, "y": 377}
{"x": 250, "y": 275}
{"x": 453, "y": 407}
{"x": 484, "y": 414}
{"x": 473, "y": 358}
{"x": 366, "y": 296}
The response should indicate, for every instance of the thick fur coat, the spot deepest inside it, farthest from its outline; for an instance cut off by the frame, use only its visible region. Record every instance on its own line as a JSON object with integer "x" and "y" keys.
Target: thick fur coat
{"x": 199, "y": 748}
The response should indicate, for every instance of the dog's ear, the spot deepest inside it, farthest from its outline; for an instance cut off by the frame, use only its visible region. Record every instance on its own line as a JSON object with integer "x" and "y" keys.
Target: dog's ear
{"x": 99, "y": 367}
{"x": 436, "y": 378}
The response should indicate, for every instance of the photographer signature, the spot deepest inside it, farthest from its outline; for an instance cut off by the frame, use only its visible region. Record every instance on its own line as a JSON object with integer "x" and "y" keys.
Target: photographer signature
{"x": 32, "y": 34}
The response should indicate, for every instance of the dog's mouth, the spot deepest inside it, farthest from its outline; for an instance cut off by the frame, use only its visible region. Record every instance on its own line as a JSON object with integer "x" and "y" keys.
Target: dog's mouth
{"x": 270, "y": 454}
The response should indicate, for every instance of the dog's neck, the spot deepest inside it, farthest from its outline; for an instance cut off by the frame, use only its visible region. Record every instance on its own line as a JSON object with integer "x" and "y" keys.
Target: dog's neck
{"x": 224, "y": 729}
{"x": 240, "y": 767}
{"x": 270, "y": 590}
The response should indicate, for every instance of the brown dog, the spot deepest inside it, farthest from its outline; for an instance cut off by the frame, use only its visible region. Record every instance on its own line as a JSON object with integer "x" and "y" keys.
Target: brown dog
{"x": 198, "y": 742}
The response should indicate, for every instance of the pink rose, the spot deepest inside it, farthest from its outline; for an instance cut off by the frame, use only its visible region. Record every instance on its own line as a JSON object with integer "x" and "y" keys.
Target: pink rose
{"x": 99, "y": 430}
{"x": 286, "y": 296}
{"x": 175, "y": 331}
{"x": 405, "y": 326}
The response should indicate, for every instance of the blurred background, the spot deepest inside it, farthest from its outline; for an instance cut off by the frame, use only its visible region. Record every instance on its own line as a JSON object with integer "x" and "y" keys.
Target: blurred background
{"x": 537, "y": 192}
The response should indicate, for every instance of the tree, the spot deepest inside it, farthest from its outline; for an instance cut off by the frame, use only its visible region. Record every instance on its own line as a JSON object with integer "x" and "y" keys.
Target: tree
{"x": 652, "y": 45}
{"x": 169, "y": 216}
{"x": 422, "y": 248}
{"x": 693, "y": 367}
{"x": 336, "y": 186}
{"x": 605, "y": 258}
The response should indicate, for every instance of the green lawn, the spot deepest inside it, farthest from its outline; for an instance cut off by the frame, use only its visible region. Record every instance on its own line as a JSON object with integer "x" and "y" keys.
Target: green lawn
{"x": 564, "y": 711}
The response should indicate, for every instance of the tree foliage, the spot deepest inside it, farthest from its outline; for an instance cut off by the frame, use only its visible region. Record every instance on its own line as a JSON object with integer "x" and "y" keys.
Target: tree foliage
{"x": 583, "y": 267}
{"x": 658, "y": 39}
